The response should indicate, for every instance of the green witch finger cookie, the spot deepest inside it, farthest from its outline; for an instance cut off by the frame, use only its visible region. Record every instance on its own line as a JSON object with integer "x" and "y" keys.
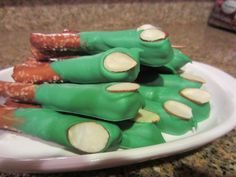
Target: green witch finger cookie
{"x": 118, "y": 64}
{"x": 154, "y": 45}
{"x": 141, "y": 131}
{"x": 112, "y": 102}
{"x": 177, "y": 99}
{"x": 86, "y": 135}
{"x": 170, "y": 123}
{"x": 187, "y": 103}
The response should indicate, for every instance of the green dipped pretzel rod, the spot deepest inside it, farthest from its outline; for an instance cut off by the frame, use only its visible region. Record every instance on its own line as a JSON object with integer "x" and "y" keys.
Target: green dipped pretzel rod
{"x": 154, "y": 45}
{"x": 74, "y": 132}
{"x": 114, "y": 65}
{"x": 156, "y": 52}
{"x": 111, "y": 101}
{"x": 90, "y": 100}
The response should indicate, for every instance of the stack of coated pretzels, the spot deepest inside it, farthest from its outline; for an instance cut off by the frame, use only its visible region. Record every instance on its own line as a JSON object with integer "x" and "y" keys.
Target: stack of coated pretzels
{"x": 93, "y": 91}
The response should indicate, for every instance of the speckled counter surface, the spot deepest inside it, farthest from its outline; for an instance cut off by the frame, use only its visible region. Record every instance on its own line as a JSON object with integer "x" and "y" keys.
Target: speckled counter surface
{"x": 186, "y": 21}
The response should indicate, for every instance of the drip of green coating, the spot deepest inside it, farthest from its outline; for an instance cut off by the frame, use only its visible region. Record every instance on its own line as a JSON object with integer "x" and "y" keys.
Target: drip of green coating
{"x": 52, "y": 126}
{"x": 156, "y": 53}
{"x": 90, "y": 100}
{"x": 153, "y": 78}
{"x": 137, "y": 134}
{"x": 169, "y": 123}
{"x": 178, "y": 61}
{"x": 90, "y": 69}
{"x": 163, "y": 94}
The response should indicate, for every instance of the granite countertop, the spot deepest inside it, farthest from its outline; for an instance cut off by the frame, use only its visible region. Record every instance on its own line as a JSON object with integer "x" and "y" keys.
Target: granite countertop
{"x": 186, "y": 22}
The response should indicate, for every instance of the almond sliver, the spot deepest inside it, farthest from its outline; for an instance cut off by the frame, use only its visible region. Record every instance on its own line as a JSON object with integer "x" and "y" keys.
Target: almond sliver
{"x": 123, "y": 87}
{"x": 146, "y": 116}
{"x": 196, "y": 95}
{"x": 88, "y": 137}
{"x": 119, "y": 62}
{"x": 192, "y": 77}
{"x": 178, "y": 109}
{"x": 152, "y": 35}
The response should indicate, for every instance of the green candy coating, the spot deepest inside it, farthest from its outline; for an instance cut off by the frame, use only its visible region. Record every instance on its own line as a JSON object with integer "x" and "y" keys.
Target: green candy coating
{"x": 90, "y": 100}
{"x": 90, "y": 69}
{"x": 169, "y": 123}
{"x": 163, "y": 94}
{"x": 52, "y": 126}
{"x": 178, "y": 61}
{"x": 137, "y": 134}
{"x": 155, "y": 53}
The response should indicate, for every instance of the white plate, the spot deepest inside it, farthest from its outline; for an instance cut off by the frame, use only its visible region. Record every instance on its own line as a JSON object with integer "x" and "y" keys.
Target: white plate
{"x": 27, "y": 154}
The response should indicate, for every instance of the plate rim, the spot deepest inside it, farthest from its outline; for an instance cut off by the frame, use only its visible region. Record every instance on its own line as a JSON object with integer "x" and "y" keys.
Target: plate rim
{"x": 96, "y": 161}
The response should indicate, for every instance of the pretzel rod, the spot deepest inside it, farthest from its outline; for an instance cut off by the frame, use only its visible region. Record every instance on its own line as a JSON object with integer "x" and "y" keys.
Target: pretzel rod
{"x": 34, "y": 72}
{"x": 18, "y": 91}
{"x": 39, "y": 55}
{"x": 30, "y": 61}
{"x": 118, "y": 64}
{"x": 60, "y": 41}
{"x": 7, "y": 122}
{"x": 45, "y": 46}
{"x": 45, "y": 54}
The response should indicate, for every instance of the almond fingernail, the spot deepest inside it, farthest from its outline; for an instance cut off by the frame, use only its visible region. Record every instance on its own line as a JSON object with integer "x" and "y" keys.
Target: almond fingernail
{"x": 192, "y": 77}
{"x": 152, "y": 35}
{"x": 146, "y": 116}
{"x": 178, "y": 109}
{"x": 119, "y": 62}
{"x": 84, "y": 136}
{"x": 123, "y": 87}
{"x": 196, "y": 95}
